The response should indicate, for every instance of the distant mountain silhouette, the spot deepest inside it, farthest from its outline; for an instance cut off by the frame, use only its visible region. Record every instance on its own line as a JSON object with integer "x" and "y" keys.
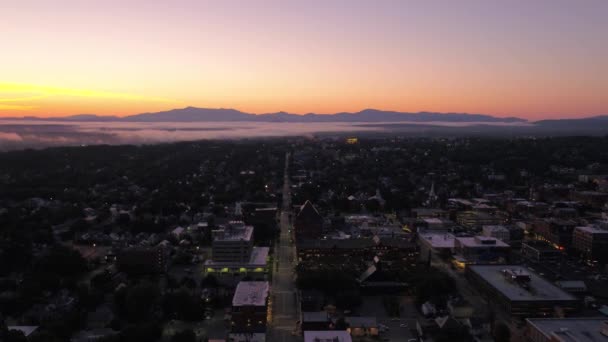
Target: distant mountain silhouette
{"x": 595, "y": 123}
{"x": 193, "y": 114}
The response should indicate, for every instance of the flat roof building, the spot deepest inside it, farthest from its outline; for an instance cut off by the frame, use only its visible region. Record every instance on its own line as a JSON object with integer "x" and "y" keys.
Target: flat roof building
{"x": 519, "y": 291}
{"x": 232, "y": 243}
{"x": 591, "y": 243}
{"x": 249, "y": 307}
{"x": 590, "y": 329}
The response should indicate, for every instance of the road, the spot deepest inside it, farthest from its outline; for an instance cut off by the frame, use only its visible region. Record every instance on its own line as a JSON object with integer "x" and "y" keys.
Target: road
{"x": 284, "y": 313}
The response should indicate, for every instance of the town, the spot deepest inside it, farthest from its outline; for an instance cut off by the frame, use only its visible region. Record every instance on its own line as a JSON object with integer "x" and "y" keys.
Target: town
{"x": 322, "y": 238}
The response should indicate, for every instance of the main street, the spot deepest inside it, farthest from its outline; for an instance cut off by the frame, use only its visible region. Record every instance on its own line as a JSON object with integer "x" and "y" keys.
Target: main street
{"x": 283, "y": 290}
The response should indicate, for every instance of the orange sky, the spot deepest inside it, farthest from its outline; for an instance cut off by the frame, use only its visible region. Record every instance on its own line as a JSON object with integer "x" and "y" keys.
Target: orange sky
{"x": 534, "y": 60}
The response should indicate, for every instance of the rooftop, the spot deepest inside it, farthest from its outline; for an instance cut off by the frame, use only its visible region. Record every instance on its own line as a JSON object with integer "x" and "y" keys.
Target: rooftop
{"x": 251, "y": 293}
{"x": 438, "y": 240}
{"x": 495, "y": 228}
{"x": 258, "y": 258}
{"x": 571, "y": 329}
{"x": 327, "y": 336}
{"x": 538, "y": 289}
{"x": 233, "y": 233}
{"x": 592, "y": 230}
{"x": 480, "y": 241}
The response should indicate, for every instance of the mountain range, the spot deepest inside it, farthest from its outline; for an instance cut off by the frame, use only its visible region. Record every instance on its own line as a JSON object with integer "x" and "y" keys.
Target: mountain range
{"x": 193, "y": 114}
{"x": 595, "y": 124}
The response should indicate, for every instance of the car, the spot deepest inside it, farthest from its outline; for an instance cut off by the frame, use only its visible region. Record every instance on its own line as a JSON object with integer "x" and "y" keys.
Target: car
{"x": 412, "y": 340}
{"x": 403, "y": 325}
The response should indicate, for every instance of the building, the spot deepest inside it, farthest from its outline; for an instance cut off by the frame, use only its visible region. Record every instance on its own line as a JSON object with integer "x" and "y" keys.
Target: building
{"x": 540, "y": 251}
{"x": 362, "y": 326}
{"x": 327, "y": 336}
{"x": 591, "y": 243}
{"x": 249, "y": 307}
{"x": 232, "y": 243}
{"x": 593, "y": 199}
{"x": 434, "y": 224}
{"x": 477, "y": 219}
{"x": 142, "y": 260}
{"x": 557, "y": 232}
{"x": 230, "y": 273}
{"x": 590, "y": 329}
{"x": 355, "y": 250}
{"x": 518, "y": 291}
{"x": 463, "y": 250}
{"x": 499, "y": 232}
{"x": 315, "y": 320}
{"x": 480, "y": 249}
{"x": 441, "y": 245}
{"x": 308, "y": 223}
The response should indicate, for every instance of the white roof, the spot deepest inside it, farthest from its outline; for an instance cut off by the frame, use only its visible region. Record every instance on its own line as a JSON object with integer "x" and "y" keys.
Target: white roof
{"x": 327, "y": 336}
{"x": 438, "y": 240}
{"x": 539, "y": 288}
{"x": 592, "y": 230}
{"x": 251, "y": 293}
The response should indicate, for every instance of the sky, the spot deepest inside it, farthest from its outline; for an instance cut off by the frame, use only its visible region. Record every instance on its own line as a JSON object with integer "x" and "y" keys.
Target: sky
{"x": 533, "y": 59}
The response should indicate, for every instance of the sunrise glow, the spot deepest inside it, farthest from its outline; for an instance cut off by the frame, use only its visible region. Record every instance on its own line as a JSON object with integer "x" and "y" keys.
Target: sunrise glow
{"x": 517, "y": 58}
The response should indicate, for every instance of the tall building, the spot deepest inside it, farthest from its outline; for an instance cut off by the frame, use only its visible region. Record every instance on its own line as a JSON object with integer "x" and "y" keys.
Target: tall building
{"x": 249, "y": 307}
{"x": 232, "y": 243}
{"x": 308, "y": 223}
{"x": 591, "y": 243}
{"x": 555, "y": 231}
{"x": 233, "y": 256}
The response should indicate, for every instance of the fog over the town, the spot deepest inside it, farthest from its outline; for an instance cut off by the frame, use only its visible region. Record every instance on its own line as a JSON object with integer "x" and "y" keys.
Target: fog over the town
{"x": 19, "y": 134}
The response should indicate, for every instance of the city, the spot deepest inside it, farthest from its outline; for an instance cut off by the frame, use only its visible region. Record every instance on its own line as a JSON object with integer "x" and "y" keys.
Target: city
{"x": 303, "y": 171}
{"x": 299, "y": 239}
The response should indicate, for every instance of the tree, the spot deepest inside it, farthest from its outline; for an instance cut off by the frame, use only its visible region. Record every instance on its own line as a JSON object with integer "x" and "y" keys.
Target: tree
{"x": 184, "y": 336}
{"x": 209, "y": 281}
{"x": 502, "y": 333}
{"x": 141, "y": 301}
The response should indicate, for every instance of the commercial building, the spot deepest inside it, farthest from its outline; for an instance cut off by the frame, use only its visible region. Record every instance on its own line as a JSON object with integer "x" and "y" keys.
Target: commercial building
{"x": 232, "y": 243}
{"x": 590, "y": 329}
{"x": 308, "y": 223}
{"x": 463, "y": 250}
{"x": 480, "y": 249}
{"x": 519, "y": 292}
{"x": 249, "y": 307}
{"x": 557, "y": 232}
{"x": 499, "y": 232}
{"x": 591, "y": 243}
{"x": 233, "y": 256}
{"x": 477, "y": 219}
{"x": 540, "y": 251}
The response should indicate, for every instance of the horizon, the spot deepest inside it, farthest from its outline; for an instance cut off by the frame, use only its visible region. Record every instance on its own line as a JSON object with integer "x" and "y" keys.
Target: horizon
{"x": 40, "y": 117}
{"x": 533, "y": 61}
